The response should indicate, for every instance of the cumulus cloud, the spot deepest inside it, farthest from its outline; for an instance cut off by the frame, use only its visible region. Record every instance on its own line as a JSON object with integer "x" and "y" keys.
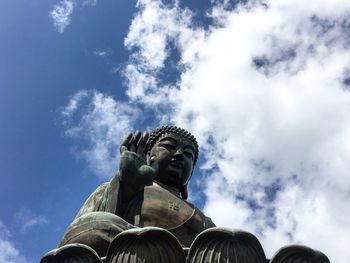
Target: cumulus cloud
{"x": 9, "y": 253}
{"x": 26, "y": 219}
{"x": 99, "y": 122}
{"x": 264, "y": 89}
{"x": 150, "y": 42}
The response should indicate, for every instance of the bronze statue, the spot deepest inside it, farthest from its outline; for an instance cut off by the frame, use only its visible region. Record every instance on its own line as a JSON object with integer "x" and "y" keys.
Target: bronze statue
{"x": 142, "y": 215}
{"x": 150, "y": 189}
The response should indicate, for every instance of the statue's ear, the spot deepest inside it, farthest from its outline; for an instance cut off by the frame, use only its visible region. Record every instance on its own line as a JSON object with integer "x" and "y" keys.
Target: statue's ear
{"x": 150, "y": 159}
{"x": 184, "y": 192}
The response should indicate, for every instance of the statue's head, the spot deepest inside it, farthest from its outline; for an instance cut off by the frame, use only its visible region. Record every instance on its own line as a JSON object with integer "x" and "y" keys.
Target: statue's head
{"x": 172, "y": 152}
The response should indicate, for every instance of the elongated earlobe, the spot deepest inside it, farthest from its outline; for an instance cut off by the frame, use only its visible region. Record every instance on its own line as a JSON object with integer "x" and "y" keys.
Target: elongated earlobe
{"x": 150, "y": 159}
{"x": 184, "y": 192}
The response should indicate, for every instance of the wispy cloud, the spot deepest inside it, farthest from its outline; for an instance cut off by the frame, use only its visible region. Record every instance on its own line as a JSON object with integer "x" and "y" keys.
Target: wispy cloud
{"x": 99, "y": 122}
{"x": 9, "y": 253}
{"x": 63, "y": 11}
{"x": 89, "y": 2}
{"x": 115, "y": 70}
{"x": 61, "y": 14}
{"x": 26, "y": 219}
{"x": 102, "y": 53}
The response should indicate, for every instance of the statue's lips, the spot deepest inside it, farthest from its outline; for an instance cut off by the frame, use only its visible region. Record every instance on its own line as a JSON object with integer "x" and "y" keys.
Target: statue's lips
{"x": 177, "y": 164}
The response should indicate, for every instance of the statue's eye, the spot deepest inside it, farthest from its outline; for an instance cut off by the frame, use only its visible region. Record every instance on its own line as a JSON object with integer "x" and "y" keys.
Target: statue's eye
{"x": 189, "y": 154}
{"x": 168, "y": 146}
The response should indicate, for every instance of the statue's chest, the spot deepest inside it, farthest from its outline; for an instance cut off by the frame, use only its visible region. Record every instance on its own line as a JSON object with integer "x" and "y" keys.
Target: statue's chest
{"x": 160, "y": 208}
{"x": 163, "y": 209}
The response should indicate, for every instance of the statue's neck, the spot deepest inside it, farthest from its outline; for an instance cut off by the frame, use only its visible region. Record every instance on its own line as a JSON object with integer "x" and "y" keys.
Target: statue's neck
{"x": 171, "y": 189}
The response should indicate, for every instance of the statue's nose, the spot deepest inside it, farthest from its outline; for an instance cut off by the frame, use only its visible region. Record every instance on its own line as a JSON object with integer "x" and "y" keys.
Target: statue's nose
{"x": 179, "y": 154}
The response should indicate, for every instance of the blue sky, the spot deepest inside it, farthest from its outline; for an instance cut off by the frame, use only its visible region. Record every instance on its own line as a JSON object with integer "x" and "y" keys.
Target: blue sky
{"x": 261, "y": 84}
{"x": 40, "y": 69}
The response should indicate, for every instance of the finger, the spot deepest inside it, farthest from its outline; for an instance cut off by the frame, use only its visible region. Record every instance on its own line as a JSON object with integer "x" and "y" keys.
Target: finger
{"x": 142, "y": 143}
{"x": 137, "y": 137}
{"x": 126, "y": 142}
{"x": 134, "y": 141}
{"x": 123, "y": 149}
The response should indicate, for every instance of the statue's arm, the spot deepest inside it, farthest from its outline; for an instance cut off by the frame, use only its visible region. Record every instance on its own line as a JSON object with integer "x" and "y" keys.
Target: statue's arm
{"x": 209, "y": 223}
{"x": 133, "y": 175}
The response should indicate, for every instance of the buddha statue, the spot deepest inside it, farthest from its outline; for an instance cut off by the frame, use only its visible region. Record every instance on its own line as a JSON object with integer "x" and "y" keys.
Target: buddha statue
{"x": 142, "y": 215}
{"x": 149, "y": 190}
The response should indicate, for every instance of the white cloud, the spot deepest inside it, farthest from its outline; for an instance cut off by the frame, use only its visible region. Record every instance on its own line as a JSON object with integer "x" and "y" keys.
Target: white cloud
{"x": 9, "y": 253}
{"x": 101, "y": 53}
{"x": 89, "y": 2}
{"x": 150, "y": 33}
{"x": 73, "y": 104}
{"x": 61, "y": 14}
{"x": 100, "y": 123}
{"x": 262, "y": 90}
{"x": 26, "y": 219}
{"x": 63, "y": 11}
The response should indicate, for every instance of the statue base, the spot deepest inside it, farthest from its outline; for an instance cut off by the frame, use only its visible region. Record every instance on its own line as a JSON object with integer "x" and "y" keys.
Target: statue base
{"x": 157, "y": 245}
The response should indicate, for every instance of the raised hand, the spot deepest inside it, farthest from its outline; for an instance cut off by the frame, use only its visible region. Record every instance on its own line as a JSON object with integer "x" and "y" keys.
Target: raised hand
{"x": 135, "y": 143}
{"x": 133, "y": 169}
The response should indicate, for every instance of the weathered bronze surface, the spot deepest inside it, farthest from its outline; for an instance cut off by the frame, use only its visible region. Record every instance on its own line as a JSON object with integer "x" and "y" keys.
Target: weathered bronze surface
{"x": 77, "y": 253}
{"x": 222, "y": 245}
{"x": 299, "y": 254}
{"x": 148, "y": 244}
{"x": 150, "y": 189}
{"x": 142, "y": 215}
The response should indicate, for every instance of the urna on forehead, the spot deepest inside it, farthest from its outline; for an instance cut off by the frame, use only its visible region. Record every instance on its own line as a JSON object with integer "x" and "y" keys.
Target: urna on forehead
{"x": 164, "y": 130}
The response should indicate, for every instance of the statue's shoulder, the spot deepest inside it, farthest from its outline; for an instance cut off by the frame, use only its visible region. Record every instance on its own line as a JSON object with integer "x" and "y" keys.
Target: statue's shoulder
{"x": 100, "y": 191}
{"x": 95, "y": 201}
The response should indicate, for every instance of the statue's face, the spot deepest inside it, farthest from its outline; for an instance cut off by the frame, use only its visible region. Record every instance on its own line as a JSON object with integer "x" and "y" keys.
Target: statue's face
{"x": 172, "y": 157}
